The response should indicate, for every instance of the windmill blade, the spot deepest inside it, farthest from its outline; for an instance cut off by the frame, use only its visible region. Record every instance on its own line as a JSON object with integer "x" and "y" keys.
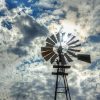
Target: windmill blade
{"x": 49, "y": 56}
{"x": 49, "y": 45}
{"x": 84, "y": 57}
{"x": 53, "y": 58}
{"x": 54, "y": 38}
{"x": 68, "y": 58}
{"x": 58, "y": 37}
{"x": 71, "y": 53}
{"x": 71, "y": 39}
{"x": 46, "y": 53}
{"x": 46, "y": 49}
{"x": 73, "y": 42}
{"x": 74, "y": 50}
{"x": 50, "y": 41}
{"x": 78, "y": 45}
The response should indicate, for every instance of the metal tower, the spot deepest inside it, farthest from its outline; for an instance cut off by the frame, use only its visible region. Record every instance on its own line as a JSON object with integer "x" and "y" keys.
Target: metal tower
{"x": 61, "y": 73}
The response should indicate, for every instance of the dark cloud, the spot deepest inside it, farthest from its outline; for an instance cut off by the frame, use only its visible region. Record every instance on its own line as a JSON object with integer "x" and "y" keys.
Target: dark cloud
{"x": 74, "y": 90}
{"x": 73, "y": 79}
{"x": 94, "y": 38}
{"x": 2, "y": 13}
{"x": 96, "y": 19}
{"x": 98, "y": 97}
{"x": 94, "y": 65}
{"x": 63, "y": 15}
{"x": 39, "y": 10}
{"x": 31, "y": 90}
{"x": 80, "y": 98}
{"x": 30, "y": 30}
{"x": 20, "y": 90}
{"x": 6, "y": 24}
{"x": 56, "y": 2}
{"x": 17, "y": 51}
{"x": 88, "y": 85}
{"x": 73, "y": 8}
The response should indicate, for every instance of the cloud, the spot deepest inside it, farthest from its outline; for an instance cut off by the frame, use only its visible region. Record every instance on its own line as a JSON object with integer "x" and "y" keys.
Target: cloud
{"x": 74, "y": 90}
{"x": 95, "y": 65}
{"x": 30, "y": 29}
{"x": 34, "y": 90}
{"x": 11, "y": 4}
{"x": 73, "y": 8}
{"x": 96, "y": 19}
{"x": 80, "y": 98}
{"x": 88, "y": 84}
{"x": 18, "y": 51}
{"x": 2, "y": 12}
{"x": 98, "y": 97}
{"x": 7, "y": 24}
{"x": 94, "y": 38}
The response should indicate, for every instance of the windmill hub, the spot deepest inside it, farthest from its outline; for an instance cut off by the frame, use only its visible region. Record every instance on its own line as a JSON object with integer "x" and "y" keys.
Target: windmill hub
{"x": 64, "y": 49}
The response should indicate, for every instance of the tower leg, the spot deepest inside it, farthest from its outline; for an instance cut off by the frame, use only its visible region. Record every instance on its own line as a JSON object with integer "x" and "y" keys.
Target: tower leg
{"x": 56, "y": 86}
{"x": 66, "y": 88}
{"x": 66, "y": 92}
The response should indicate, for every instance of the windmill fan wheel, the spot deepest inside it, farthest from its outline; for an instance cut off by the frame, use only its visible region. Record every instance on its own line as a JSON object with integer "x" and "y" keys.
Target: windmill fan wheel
{"x": 65, "y": 45}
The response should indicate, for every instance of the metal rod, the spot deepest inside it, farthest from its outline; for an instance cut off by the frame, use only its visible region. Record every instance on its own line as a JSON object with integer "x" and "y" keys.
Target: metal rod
{"x": 56, "y": 85}
{"x": 68, "y": 88}
{"x": 66, "y": 91}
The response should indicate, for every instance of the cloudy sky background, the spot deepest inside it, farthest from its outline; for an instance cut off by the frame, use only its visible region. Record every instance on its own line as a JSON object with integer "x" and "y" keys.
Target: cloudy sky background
{"x": 24, "y": 26}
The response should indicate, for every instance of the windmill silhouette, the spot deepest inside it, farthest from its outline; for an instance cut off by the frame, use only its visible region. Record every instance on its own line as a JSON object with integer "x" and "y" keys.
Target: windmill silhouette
{"x": 60, "y": 53}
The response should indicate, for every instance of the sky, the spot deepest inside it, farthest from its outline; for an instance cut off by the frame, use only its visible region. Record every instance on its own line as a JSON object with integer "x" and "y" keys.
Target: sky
{"x": 24, "y": 27}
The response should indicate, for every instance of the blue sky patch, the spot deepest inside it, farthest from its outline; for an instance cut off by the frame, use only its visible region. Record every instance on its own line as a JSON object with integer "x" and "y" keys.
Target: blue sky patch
{"x": 2, "y": 13}
{"x": 94, "y": 38}
{"x": 7, "y": 24}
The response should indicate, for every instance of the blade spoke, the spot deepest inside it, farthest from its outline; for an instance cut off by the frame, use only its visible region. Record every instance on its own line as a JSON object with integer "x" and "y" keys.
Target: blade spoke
{"x": 53, "y": 38}
{"x": 50, "y": 41}
{"x": 74, "y": 50}
{"x": 58, "y": 37}
{"x": 49, "y": 45}
{"x": 73, "y": 42}
{"x": 46, "y": 49}
{"x": 68, "y": 58}
{"x": 78, "y": 45}
{"x": 49, "y": 56}
{"x": 71, "y": 53}
{"x": 71, "y": 39}
{"x": 46, "y": 53}
{"x": 53, "y": 58}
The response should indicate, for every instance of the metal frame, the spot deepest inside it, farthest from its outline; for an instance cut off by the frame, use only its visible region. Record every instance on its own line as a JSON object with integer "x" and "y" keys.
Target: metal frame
{"x": 61, "y": 73}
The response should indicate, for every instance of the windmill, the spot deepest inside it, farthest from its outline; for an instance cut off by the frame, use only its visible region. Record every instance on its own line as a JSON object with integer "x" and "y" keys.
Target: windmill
{"x": 60, "y": 53}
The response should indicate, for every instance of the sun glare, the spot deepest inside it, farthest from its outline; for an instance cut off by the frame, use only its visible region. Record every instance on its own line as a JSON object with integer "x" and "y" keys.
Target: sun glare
{"x": 69, "y": 28}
